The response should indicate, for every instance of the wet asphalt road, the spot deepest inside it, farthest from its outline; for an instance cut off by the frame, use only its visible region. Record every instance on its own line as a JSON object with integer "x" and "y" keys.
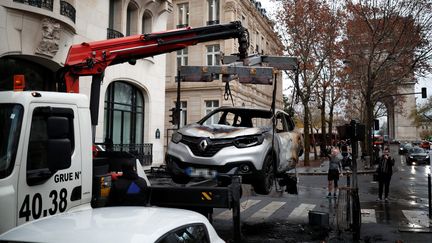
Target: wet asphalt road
{"x": 280, "y": 217}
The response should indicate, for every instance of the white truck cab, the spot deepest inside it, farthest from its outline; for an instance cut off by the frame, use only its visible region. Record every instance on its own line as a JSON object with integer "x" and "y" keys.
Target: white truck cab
{"x": 45, "y": 155}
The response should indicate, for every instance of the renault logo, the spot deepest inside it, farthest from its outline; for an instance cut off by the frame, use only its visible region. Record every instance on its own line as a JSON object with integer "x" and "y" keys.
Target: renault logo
{"x": 203, "y": 144}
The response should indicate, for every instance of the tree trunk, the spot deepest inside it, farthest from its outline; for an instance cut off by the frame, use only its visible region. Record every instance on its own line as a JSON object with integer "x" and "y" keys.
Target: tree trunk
{"x": 323, "y": 143}
{"x": 306, "y": 134}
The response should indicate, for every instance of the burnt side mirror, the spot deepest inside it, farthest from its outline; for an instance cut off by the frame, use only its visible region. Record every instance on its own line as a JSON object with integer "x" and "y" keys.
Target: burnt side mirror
{"x": 59, "y": 144}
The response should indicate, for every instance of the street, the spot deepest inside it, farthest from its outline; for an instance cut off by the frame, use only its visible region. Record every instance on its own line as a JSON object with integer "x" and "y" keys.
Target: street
{"x": 284, "y": 218}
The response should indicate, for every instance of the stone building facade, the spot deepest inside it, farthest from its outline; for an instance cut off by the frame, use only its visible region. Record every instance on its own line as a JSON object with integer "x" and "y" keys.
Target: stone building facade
{"x": 35, "y": 37}
{"x": 198, "y": 99}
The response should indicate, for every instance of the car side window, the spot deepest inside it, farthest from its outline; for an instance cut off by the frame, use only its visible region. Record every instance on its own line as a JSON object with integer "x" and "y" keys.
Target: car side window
{"x": 193, "y": 233}
{"x": 280, "y": 123}
{"x": 290, "y": 123}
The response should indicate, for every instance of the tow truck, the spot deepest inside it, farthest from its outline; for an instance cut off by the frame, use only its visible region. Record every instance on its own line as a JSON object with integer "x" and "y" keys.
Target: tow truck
{"x": 47, "y": 164}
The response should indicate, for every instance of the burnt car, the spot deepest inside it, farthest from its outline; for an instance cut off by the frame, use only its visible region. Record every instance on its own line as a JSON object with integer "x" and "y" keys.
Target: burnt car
{"x": 403, "y": 148}
{"x": 416, "y": 156}
{"x": 236, "y": 141}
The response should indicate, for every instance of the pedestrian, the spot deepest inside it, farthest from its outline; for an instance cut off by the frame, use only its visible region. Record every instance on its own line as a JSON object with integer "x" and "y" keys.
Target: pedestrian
{"x": 385, "y": 171}
{"x": 128, "y": 189}
{"x": 335, "y": 168}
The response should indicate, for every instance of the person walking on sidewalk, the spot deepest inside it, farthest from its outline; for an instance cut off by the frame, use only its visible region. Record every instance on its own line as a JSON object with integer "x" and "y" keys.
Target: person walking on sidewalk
{"x": 385, "y": 171}
{"x": 335, "y": 168}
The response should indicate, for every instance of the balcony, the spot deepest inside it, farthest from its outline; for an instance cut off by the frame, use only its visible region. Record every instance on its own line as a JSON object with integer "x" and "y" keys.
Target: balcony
{"x": 179, "y": 26}
{"x": 44, "y": 4}
{"x": 66, "y": 9}
{"x": 112, "y": 34}
{"x": 213, "y": 22}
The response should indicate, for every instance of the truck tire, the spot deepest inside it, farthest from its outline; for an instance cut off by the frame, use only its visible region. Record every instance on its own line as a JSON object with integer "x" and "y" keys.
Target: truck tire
{"x": 266, "y": 178}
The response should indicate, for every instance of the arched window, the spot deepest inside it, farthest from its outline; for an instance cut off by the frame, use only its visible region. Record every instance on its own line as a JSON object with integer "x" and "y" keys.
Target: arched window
{"x": 147, "y": 23}
{"x": 37, "y": 77}
{"x": 124, "y": 114}
{"x": 132, "y": 19}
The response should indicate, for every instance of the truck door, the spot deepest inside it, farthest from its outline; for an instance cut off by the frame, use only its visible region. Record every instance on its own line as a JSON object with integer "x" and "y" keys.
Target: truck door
{"x": 50, "y": 175}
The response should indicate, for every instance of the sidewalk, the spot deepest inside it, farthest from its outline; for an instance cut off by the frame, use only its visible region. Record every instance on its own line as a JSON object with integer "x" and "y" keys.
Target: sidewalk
{"x": 320, "y": 166}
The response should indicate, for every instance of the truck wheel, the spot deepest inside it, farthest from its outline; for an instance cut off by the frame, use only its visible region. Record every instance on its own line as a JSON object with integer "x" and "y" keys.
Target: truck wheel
{"x": 180, "y": 179}
{"x": 265, "y": 182}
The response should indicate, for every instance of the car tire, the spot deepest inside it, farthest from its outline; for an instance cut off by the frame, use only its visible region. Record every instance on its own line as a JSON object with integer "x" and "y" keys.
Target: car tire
{"x": 265, "y": 181}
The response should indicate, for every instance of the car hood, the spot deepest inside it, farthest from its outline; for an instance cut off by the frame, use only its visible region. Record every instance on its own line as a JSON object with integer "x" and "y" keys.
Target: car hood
{"x": 418, "y": 154}
{"x": 220, "y": 131}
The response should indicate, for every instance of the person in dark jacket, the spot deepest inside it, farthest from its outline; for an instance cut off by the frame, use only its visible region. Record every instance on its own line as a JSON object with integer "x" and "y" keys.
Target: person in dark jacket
{"x": 128, "y": 189}
{"x": 385, "y": 171}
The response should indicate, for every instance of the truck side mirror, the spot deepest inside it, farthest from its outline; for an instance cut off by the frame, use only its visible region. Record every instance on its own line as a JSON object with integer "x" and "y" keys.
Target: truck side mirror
{"x": 59, "y": 145}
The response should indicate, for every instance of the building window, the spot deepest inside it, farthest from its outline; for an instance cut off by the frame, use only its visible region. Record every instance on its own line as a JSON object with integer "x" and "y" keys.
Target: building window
{"x": 183, "y": 113}
{"x": 124, "y": 114}
{"x": 131, "y": 19}
{"x": 114, "y": 21}
{"x": 213, "y": 12}
{"x": 37, "y": 77}
{"x": 146, "y": 23}
{"x": 182, "y": 57}
{"x": 213, "y": 55}
{"x": 183, "y": 13}
{"x": 210, "y": 105}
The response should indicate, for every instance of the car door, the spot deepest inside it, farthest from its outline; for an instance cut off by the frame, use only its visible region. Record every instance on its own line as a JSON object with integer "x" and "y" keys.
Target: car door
{"x": 288, "y": 142}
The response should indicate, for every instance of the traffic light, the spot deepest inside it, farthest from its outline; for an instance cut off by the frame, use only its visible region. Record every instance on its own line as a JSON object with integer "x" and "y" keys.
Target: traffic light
{"x": 174, "y": 116}
{"x": 423, "y": 92}
{"x": 376, "y": 125}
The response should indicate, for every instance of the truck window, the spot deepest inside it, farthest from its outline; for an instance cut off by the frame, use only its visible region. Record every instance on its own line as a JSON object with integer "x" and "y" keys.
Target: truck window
{"x": 37, "y": 148}
{"x": 10, "y": 127}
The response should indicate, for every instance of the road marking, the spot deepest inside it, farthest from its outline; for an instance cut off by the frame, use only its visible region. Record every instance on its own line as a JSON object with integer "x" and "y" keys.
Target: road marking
{"x": 301, "y": 212}
{"x": 417, "y": 218}
{"x": 265, "y": 212}
{"x": 227, "y": 214}
{"x": 368, "y": 216}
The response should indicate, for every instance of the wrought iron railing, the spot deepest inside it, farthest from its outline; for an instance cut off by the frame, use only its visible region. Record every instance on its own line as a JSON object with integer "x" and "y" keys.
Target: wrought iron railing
{"x": 112, "y": 34}
{"x": 45, "y": 4}
{"x": 213, "y": 22}
{"x": 143, "y": 152}
{"x": 66, "y": 9}
{"x": 179, "y": 26}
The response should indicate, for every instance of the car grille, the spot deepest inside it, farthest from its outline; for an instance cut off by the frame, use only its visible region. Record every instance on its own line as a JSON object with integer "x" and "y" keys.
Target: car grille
{"x": 214, "y": 145}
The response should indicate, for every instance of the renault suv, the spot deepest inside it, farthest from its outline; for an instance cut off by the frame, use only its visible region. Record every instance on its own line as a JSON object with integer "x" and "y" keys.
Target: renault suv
{"x": 236, "y": 141}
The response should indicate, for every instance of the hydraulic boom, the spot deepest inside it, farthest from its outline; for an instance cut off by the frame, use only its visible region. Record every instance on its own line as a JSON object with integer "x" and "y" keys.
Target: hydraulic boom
{"x": 92, "y": 58}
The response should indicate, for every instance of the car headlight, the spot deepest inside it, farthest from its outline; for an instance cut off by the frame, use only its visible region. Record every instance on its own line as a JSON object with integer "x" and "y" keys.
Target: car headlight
{"x": 249, "y": 141}
{"x": 427, "y": 156}
{"x": 176, "y": 137}
{"x": 411, "y": 157}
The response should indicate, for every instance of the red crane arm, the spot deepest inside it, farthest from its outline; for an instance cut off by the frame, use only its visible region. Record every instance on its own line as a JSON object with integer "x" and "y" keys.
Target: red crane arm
{"x": 92, "y": 58}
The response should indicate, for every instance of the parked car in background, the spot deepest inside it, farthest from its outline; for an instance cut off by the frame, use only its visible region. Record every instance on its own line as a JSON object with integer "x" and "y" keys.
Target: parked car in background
{"x": 425, "y": 145}
{"x": 417, "y": 156}
{"x": 152, "y": 224}
{"x": 404, "y": 147}
{"x": 237, "y": 141}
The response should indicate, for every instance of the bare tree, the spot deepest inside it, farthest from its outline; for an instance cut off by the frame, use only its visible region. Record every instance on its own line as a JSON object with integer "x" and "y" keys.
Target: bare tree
{"x": 387, "y": 44}
{"x": 308, "y": 30}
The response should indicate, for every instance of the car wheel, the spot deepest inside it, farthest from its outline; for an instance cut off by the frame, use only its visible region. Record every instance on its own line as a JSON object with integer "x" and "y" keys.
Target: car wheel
{"x": 265, "y": 181}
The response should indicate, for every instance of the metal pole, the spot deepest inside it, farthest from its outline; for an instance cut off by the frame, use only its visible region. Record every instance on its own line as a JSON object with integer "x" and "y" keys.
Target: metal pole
{"x": 429, "y": 197}
{"x": 178, "y": 99}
